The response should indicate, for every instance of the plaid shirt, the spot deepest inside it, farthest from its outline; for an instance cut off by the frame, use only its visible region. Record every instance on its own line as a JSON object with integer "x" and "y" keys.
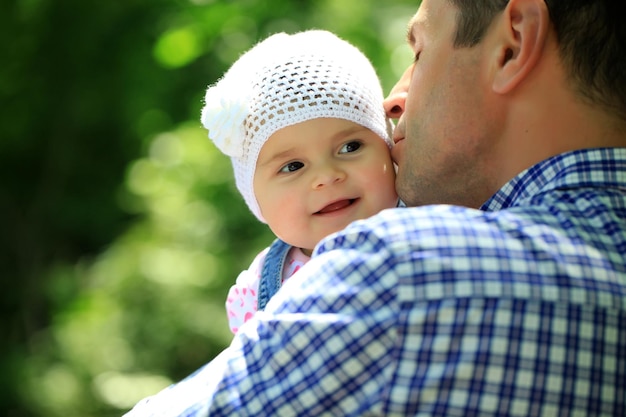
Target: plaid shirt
{"x": 517, "y": 309}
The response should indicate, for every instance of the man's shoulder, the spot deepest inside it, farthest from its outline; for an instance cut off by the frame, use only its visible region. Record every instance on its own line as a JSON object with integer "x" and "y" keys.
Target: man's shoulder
{"x": 403, "y": 232}
{"x": 438, "y": 251}
{"x": 424, "y": 221}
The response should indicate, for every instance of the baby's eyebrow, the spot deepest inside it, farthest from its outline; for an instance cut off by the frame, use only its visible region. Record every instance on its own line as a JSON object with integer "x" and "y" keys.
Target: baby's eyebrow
{"x": 286, "y": 154}
{"x": 349, "y": 131}
{"x": 292, "y": 153}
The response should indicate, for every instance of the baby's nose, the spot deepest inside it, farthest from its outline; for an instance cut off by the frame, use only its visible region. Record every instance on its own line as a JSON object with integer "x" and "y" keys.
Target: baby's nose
{"x": 328, "y": 175}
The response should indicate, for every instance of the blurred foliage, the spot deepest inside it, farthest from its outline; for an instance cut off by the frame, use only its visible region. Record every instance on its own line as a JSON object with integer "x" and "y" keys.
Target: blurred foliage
{"x": 121, "y": 227}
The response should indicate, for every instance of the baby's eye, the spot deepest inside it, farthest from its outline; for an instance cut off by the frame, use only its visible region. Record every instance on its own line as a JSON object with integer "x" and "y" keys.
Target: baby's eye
{"x": 351, "y": 147}
{"x": 292, "y": 166}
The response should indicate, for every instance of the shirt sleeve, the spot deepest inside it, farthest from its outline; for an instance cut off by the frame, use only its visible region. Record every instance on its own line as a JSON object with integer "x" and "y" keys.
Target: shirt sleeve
{"x": 323, "y": 346}
{"x": 242, "y": 298}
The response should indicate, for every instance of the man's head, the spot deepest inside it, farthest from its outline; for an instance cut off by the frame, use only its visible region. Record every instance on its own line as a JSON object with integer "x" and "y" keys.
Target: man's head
{"x": 498, "y": 86}
{"x": 591, "y": 38}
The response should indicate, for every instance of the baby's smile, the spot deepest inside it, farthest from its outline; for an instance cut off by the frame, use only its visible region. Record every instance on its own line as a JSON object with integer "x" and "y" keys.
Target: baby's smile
{"x": 337, "y": 205}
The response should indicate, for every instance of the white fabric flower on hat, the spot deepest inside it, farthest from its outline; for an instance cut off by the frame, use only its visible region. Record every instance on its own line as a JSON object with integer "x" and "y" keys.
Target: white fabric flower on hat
{"x": 223, "y": 115}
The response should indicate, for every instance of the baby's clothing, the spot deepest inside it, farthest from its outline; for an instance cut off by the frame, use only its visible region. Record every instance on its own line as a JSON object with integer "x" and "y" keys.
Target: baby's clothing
{"x": 242, "y": 299}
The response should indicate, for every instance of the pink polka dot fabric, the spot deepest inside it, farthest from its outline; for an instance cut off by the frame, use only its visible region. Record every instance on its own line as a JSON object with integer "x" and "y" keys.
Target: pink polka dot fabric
{"x": 242, "y": 299}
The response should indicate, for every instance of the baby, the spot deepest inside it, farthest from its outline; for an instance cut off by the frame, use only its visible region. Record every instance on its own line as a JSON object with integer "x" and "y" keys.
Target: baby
{"x": 301, "y": 117}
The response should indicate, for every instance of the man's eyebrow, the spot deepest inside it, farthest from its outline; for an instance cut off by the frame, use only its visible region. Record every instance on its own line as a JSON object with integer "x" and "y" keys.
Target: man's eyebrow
{"x": 410, "y": 37}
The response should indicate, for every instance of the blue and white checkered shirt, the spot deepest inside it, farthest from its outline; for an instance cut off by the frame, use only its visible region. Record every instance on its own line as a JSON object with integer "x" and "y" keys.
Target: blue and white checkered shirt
{"x": 517, "y": 309}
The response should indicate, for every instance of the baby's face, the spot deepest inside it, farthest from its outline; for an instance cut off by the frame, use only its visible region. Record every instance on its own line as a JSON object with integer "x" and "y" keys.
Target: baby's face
{"x": 315, "y": 177}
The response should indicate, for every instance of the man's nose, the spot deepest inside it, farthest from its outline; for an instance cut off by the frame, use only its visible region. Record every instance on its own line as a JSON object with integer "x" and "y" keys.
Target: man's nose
{"x": 395, "y": 102}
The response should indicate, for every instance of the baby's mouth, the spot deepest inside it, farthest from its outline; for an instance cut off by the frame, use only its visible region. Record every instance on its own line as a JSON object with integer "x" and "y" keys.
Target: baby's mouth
{"x": 337, "y": 205}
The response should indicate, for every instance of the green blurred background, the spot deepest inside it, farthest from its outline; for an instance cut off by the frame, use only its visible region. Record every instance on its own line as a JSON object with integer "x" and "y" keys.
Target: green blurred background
{"x": 121, "y": 228}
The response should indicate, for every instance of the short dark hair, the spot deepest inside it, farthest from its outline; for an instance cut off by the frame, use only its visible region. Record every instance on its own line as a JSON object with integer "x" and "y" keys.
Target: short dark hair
{"x": 592, "y": 41}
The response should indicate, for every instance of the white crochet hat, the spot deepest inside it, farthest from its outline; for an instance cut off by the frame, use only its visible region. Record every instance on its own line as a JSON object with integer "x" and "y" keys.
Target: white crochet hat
{"x": 284, "y": 80}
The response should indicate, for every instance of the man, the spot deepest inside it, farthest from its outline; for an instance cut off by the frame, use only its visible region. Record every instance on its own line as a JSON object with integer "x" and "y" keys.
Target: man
{"x": 504, "y": 293}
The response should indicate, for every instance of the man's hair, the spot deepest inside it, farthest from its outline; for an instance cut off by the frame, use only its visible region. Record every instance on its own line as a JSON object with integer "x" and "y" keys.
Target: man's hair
{"x": 591, "y": 38}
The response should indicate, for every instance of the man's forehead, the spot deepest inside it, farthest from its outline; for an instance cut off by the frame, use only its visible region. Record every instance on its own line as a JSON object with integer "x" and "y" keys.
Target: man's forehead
{"x": 430, "y": 16}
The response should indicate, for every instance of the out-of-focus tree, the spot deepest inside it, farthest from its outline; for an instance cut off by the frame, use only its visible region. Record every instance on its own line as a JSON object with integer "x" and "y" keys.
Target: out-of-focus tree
{"x": 121, "y": 226}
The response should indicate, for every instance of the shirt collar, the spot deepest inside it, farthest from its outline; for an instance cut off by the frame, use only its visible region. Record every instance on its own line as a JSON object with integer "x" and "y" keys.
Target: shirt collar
{"x": 604, "y": 167}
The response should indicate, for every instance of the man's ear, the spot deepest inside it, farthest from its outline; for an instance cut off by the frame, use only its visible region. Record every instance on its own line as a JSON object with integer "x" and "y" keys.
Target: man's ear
{"x": 523, "y": 31}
